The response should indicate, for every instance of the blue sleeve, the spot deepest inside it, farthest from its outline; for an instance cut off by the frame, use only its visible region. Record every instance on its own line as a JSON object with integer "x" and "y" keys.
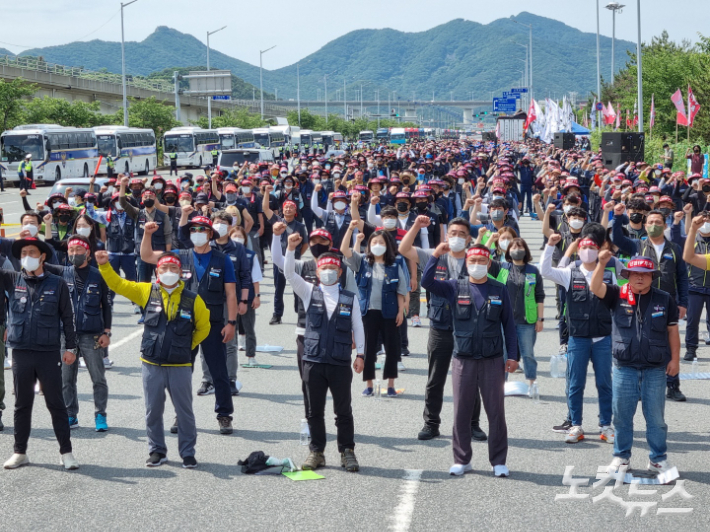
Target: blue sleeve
{"x": 676, "y": 237}
{"x": 184, "y": 236}
{"x": 6, "y": 246}
{"x": 681, "y": 275}
{"x": 244, "y": 269}
{"x": 511, "y": 336}
{"x": 229, "y": 275}
{"x": 446, "y": 289}
{"x": 626, "y": 245}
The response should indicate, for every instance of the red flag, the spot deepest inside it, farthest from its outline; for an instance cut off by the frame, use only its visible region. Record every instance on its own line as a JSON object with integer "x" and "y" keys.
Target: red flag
{"x": 531, "y": 115}
{"x": 693, "y": 107}
{"x": 652, "y": 119}
{"x": 677, "y": 99}
{"x": 628, "y": 120}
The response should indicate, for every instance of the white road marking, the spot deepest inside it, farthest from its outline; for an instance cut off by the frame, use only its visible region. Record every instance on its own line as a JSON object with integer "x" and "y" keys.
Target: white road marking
{"x": 402, "y": 517}
{"x": 125, "y": 340}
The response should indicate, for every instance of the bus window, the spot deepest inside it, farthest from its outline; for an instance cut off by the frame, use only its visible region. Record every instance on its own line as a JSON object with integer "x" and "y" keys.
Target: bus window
{"x": 14, "y": 148}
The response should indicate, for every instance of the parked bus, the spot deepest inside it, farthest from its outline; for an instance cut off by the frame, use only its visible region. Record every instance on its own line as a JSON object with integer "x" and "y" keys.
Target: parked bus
{"x": 57, "y": 152}
{"x": 192, "y": 145}
{"x": 284, "y": 130}
{"x": 306, "y": 138}
{"x": 132, "y": 149}
{"x": 397, "y": 135}
{"x": 331, "y": 139}
{"x": 278, "y": 136}
{"x": 383, "y": 134}
{"x": 261, "y": 136}
{"x": 366, "y": 136}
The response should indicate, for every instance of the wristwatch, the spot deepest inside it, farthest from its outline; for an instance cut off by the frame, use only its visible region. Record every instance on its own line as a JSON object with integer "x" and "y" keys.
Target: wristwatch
{"x": 257, "y": 295}
{"x": 106, "y": 333}
{"x": 361, "y": 357}
{"x": 541, "y": 319}
{"x": 232, "y": 322}
{"x": 245, "y": 301}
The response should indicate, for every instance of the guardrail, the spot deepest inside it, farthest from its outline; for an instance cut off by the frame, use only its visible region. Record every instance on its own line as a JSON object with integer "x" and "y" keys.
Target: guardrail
{"x": 38, "y": 65}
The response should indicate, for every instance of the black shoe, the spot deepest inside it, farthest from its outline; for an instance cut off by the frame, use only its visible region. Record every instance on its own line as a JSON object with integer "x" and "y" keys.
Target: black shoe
{"x": 1, "y": 425}
{"x": 405, "y": 352}
{"x": 233, "y": 388}
{"x": 707, "y": 341}
{"x": 275, "y": 320}
{"x": 690, "y": 354}
{"x": 564, "y": 428}
{"x": 206, "y": 388}
{"x": 674, "y": 393}
{"x": 174, "y": 428}
{"x": 348, "y": 461}
{"x": 428, "y": 433}
{"x": 155, "y": 460}
{"x": 189, "y": 462}
{"x": 477, "y": 434}
{"x": 225, "y": 425}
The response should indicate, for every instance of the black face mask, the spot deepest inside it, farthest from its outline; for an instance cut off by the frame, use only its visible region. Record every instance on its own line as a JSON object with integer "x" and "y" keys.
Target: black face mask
{"x": 422, "y": 206}
{"x": 666, "y": 212}
{"x": 636, "y": 217}
{"x": 64, "y": 218}
{"x": 77, "y": 260}
{"x": 318, "y": 249}
{"x": 136, "y": 193}
{"x": 706, "y": 188}
{"x": 170, "y": 200}
{"x": 303, "y": 178}
{"x": 402, "y": 207}
{"x": 149, "y": 203}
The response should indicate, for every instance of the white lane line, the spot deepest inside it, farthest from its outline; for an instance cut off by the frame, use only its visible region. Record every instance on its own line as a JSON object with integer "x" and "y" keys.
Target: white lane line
{"x": 402, "y": 517}
{"x": 125, "y": 340}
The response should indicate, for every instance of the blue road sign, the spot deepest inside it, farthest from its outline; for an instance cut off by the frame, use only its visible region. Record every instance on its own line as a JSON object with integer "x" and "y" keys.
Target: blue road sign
{"x": 504, "y": 105}
{"x": 509, "y": 95}
{"x": 222, "y": 97}
{"x": 519, "y": 90}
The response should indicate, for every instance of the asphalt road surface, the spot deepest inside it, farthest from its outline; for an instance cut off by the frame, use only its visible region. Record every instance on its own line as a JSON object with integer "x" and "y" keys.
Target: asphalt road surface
{"x": 403, "y": 483}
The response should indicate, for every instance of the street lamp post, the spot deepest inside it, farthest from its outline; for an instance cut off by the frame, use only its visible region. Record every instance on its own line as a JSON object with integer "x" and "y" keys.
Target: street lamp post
{"x": 599, "y": 75}
{"x": 298, "y": 93}
{"x": 123, "y": 67}
{"x": 261, "y": 79}
{"x": 209, "y": 98}
{"x": 529, "y": 26}
{"x": 613, "y": 7}
{"x": 639, "y": 74}
{"x": 345, "y": 100}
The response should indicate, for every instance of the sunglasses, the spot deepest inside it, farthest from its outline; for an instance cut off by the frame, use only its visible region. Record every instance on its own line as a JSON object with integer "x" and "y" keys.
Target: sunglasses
{"x": 198, "y": 229}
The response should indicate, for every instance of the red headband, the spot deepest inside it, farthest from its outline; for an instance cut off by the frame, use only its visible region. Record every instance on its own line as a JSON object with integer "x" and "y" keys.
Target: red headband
{"x": 478, "y": 251}
{"x": 587, "y": 242}
{"x": 169, "y": 259}
{"x": 289, "y": 202}
{"x": 78, "y": 242}
{"x": 328, "y": 260}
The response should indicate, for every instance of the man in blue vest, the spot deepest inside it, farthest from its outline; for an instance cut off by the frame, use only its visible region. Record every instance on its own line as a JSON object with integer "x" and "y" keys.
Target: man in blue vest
{"x": 40, "y": 311}
{"x": 646, "y": 348}
{"x": 479, "y": 306}
{"x": 209, "y": 273}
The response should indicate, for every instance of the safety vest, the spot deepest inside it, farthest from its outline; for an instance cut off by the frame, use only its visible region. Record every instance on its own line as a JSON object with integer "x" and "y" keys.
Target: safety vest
{"x": 699, "y": 277}
{"x": 666, "y": 263}
{"x": 27, "y": 166}
{"x": 214, "y": 153}
{"x": 120, "y": 239}
{"x": 528, "y": 289}
{"x": 211, "y": 287}
{"x": 35, "y": 322}
{"x": 439, "y": 307}
{"x": 109, "y": 163}
{"x": 478, "y": 332}
{"x": 168, "y": 342}
{"x": 157, "y": 238}
{"x": 329, "y": 341}
{"x": 173, "y": 157}
{"x": 88, "y": 317}
{"x": 389, "y": 289}
{"x": 587, "y": 316}
{"x": 308, "y": 273}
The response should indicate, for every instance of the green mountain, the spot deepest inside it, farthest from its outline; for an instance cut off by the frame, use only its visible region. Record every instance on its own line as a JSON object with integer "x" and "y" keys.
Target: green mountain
{"x": 460, "y": 56}
{"x": 5, "y": 51}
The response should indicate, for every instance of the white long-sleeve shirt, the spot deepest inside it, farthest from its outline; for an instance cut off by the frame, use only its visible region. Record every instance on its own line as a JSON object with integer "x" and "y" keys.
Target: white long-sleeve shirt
{"x": 331, "y": 294}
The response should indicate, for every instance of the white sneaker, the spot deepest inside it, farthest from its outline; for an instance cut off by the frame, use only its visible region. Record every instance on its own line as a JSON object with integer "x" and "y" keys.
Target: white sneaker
{"x": 659, "y": 467}
{"x": 381, "y": 351}
{"x": 251, "y": 361}
{"x": 37, "y": 390}
{"x": 8, "y": 364}
{"x": 82, "y": 364}
{"x": 460, "y": 469}
{"x": 16, "y": 460}
{"x": 108, "y": 363}
{"x": 501, "y": 471}
{"x": 136, "y": 309}
{"x": 575, "y": 434}
{"x": 616, "y": 463}
{"x": 238, "y": 384}
{"x": 69, "y": 461}
{"x": 400, "y": 367}
{"x": 607, "y": 434}
{"x": 242, "y": 342}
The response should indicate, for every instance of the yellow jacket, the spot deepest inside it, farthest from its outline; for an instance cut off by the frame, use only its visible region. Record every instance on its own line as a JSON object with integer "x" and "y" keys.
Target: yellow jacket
{"x": 139, "y": 293}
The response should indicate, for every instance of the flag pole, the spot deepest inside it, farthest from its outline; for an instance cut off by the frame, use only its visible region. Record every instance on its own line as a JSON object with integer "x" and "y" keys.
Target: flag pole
{"x": 688, "y": 120}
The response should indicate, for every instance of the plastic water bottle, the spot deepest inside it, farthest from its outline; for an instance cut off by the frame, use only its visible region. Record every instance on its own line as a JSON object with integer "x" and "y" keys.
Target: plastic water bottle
{"x": 378, "y": 389}
{"x": 554, "y": 366}
{"x": 305, "y": 432}
{"x": 562, "y": 366}
{"x": 535, "y": 393}
{"x": 695, "y": 367}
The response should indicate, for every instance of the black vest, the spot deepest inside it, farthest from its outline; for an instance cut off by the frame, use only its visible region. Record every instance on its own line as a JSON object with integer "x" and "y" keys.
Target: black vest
{"x": 390, "y": 304}
{"x": 157, "y": 238}
{"x": 61, "y": 255}
{"x": 478, "y": 332}
{"x": 168, "y": 342}
{"x": 439, "y": 307}
{"x": 332, "y": 227}
{"x": 698, "y": 277}
{"x": 35, "y": 323}
{"x": 647, "y": 348}
{"x": 121, "y": 239}
{"x": 666, "y": 263}
{"x": 587, "y": 316}
{"x": 211, "y": 287}
{"x": 329, "y": 341}
{"x": 88, "y": 318}
{"x": 308, "y": 273}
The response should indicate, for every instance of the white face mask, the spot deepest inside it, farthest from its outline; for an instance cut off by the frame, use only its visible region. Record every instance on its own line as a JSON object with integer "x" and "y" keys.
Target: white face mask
{"x": 72, "y": 202}
{"x": 83, "y": 231}
{"x": 705, "y": 228}
{"x": 158, "y": 186}
{"x": 477, "y": 271}
{"x": 328, "y": 277}
{"x": 340, "y": 205}
{"x": 503, "y": 244}
{"x": 198, "y": 239}
{"x": 588, "y": 255}
{"x": 389, "y": 223}
{"x": 316, "y": 181}
{"x": 456, "y": 243}
{"x": 576, "y": 224}
{"x": 221, "y": 229}
{"x": 238, "y": 240}
{"x": 460, "y": 180}
{"x": 246, "y": 190}
{"x": 169, "y": 278}
{"x": 288, "y": 186}
{"x": 378, "y": 249}
{"x": 30, "y": 264}
{"x": 566, "y": 208}
{"x": 31, "y": 228}
{"x": 110, "y": 190}
{"x": 336, "y": 175}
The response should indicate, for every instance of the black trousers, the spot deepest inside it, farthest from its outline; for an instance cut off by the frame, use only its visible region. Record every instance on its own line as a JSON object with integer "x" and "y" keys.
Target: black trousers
{"x": 440, "y": 348}
{"x": 696, "y": 302}
{"x": 45, "y": 367}
{"x": 319, "y": 378}
{"x": 300, "y": 347}
{"x": 377, "y": 327}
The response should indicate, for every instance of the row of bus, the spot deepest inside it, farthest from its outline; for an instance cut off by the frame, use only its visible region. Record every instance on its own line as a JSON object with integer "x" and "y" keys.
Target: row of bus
{"x": 402, "y": 135}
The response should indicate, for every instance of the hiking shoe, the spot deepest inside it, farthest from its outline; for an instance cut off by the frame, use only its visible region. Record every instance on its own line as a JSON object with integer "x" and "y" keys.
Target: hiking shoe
{"x": 400, "y": 367}
{"x": 391, "y": 392}
{"x": 314, "y": 461}
{"x": 607, "y": 434}
{"x": 564, "y": 428}
{"x": 101, "y": 425}
{"x": 233, "y": 388}
{"x": 416, "y": 322}
{"x": 225, "y": 425}
{"x": 206, "y": 388}
{"x": 251, "y": 361}
{"x": 189, "y": 462}
{"x": 428, "y": 433}
{"x": 275, "y": 320}
{"x": 674, "y": 393}
{"x": 136, "y": 309}
{"x": 108, "y": 363}
{"x": 368, "y": 392}
{"x": 460, "y": 469}
{"x": 690, "y": 354}
{"x": 73, "y": 422}
{"x": 174, "y": 428}
{"x": 69, "y": 462}
{"x": 16, "y": 460}
{"x": 348, "y": 461}
{"x": 575, "y": 434}
{"x": 477, "y": 434}
{"x": 156, "y": 459}
{"x": 501, "y": 471}
{"x": 616, "y": 463}
{"x": 659, "y": 467}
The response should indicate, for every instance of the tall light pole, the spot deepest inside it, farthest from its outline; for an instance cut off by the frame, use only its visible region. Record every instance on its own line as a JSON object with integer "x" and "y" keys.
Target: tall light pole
{"x": 325, "y": 81}
{"x": 123, "y": 66}
{"x": 613, "y": 7}
{"x": 530, "y": 49}
{"x": 599, "y": 74}
{"x": 209, "y": 98}
{"x": 639, "y": 76}
{"x": 527, "y": 71}
{"x": 298, "y": 93}
{"x": 345, "y": 100}
{"x": 261, "y": 79}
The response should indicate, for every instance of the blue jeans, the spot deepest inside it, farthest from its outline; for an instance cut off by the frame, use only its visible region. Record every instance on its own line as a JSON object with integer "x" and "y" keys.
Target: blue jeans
{"x": 579, "y": 352}
{"x": 145, "y": 271}
{"x": 649, "y": 385}
{"x": 526, "y": 344}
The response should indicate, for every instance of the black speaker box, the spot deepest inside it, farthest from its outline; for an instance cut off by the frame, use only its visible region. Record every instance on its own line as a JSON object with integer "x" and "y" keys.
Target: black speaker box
{"x": 621, "y": 147}
{"x": 564, "y": 141}
{"x": 488, "y": 136}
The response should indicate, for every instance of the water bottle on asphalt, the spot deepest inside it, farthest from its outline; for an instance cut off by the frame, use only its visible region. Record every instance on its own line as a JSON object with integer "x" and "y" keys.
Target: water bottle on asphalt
{"x": 554, "y": 366}
{"x": 695, "y": 367}
{"x": 305, "y": 432}
{"x": 378, "y": 389}
{"x": 535, "y": 393}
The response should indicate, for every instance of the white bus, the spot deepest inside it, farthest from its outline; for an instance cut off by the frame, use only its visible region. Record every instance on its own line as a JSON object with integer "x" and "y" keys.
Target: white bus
{"x": 57, "y": 152}
{"x": 366, "y": 136}
{"x": 331, "y": 139}
{"x": 261, "y": 137}
{"x": 282, "y": 131}
{"x": 192, "y": 145}
{"x": 231, "y": 138}
{"x": 132, "y": 149}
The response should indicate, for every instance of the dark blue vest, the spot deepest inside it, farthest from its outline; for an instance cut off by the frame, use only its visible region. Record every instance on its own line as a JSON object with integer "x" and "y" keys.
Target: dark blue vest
{"x": 587, "y": 316}
{"x": 157, "y": 238}
{"x": 211, "y": 287}
{"x": 168, "y": 342}
{"x": 332, "y": 227}
{"x": 389, "y": 289}
{"x": 329, "y": 341}
{"x": 121, "y": 239}
{"x": 478, "y": 332}
{"x": 308, "y": 273}
{"x": 439, "y": 307}
{"x": 35, "y": 323}
{"x": 88, "y": 318}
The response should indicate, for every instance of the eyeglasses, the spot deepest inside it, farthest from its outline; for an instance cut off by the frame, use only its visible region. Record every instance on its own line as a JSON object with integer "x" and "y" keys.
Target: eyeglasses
{"x": 198, "y": 229}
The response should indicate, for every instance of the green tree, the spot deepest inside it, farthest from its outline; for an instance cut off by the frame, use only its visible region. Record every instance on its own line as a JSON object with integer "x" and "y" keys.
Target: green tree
{"x": 149, "y": 113}
{"x": 65, "y": 113}
{"x": 235, "y": 117}
{"x": 12, "y": 94}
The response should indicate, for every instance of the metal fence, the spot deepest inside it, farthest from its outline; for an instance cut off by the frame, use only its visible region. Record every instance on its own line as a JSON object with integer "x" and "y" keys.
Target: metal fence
{"x": 38, "y": 65}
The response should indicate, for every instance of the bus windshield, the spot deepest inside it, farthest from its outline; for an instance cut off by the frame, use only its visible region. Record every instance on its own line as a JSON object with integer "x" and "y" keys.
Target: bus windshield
{"x": 182, "y": 143}
{"x": 107, "y": 145}
{"x": 262, "y": 138}
{"x": 15, "y": 147}
{"x": 227, "y": 142}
